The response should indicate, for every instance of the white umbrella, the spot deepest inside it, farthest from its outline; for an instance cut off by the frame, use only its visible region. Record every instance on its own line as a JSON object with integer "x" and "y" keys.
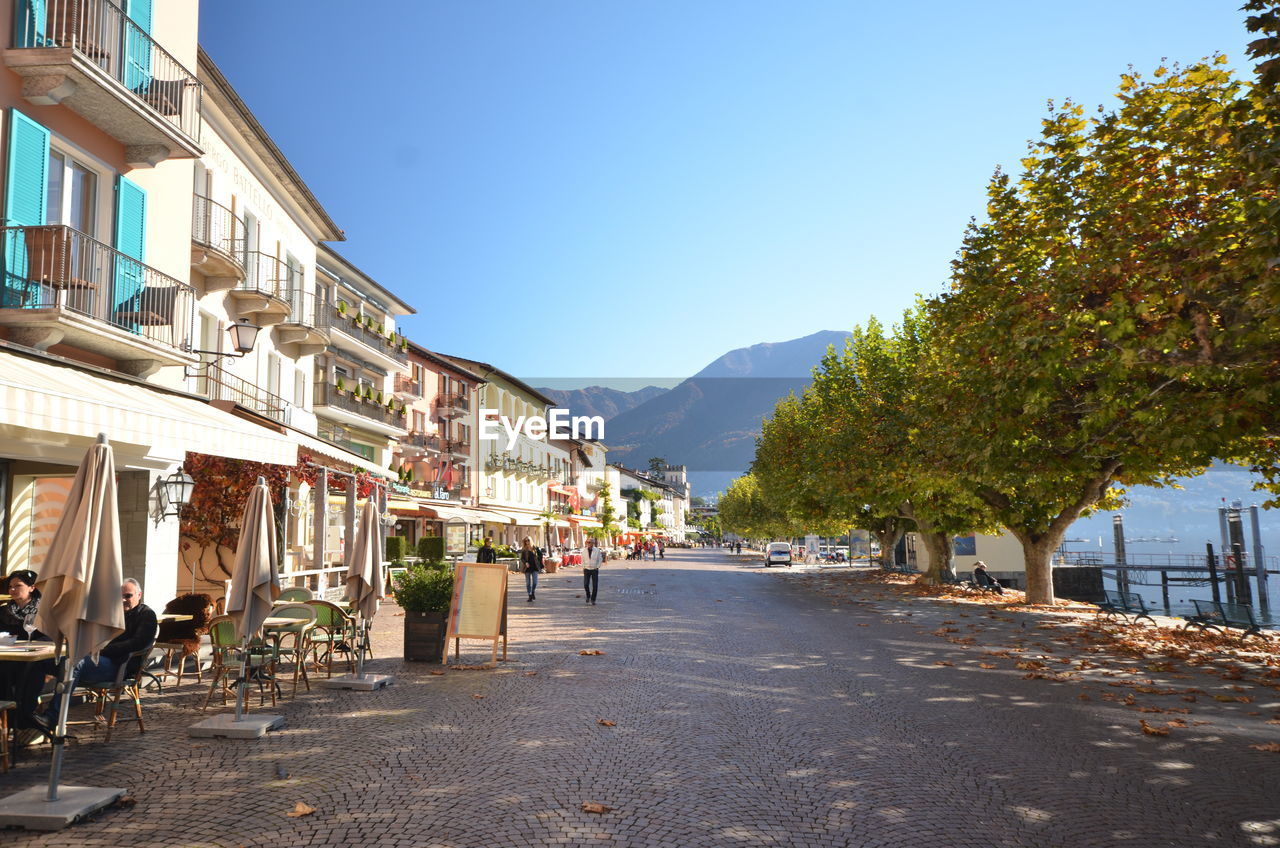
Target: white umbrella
{"x": 255, "y": 585}
{"x": 81, "y": 576}
{"x": 364, "y": 574}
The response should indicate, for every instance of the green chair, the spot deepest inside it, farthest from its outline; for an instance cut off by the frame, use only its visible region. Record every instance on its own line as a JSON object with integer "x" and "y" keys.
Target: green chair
{"x": 297, "y": 594}
{"x": 128, "y": 682}
{"x": 229, "y": 662}
{"x": 335, "y": 632}
{"x": 295, "y": 648}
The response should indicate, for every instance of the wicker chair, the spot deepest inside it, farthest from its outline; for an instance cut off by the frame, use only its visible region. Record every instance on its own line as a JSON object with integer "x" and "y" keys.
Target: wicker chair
{"x": 229, "y": 661}
{"x": 335, "y": 632}
{"x": 181, "y": 639}
{"x": 127, "y": 682}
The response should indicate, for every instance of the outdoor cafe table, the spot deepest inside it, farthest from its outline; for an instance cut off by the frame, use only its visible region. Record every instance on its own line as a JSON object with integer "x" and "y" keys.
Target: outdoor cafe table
{"x": 174, "y": 616}
{"x": 24, "y": 652}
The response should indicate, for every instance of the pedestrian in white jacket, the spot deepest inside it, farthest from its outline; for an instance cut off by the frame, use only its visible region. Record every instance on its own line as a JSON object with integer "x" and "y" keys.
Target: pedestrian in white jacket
{"x": 592, "y": 559}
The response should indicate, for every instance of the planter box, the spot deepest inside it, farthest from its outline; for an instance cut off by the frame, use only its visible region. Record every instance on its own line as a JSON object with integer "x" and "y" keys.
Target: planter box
{"x": 552, "y": 564}
{"x": 424, "y": 636}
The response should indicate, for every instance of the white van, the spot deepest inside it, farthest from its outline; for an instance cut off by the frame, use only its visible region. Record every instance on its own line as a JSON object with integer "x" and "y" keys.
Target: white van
{"x": 777, "y": 552}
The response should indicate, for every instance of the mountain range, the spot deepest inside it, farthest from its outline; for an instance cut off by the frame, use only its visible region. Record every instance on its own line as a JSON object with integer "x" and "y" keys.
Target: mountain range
{"x": 601, "y": 400}
{"x": 710, "y": 421}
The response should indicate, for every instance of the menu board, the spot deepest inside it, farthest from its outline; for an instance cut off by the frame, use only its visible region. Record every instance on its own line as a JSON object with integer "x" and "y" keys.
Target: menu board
{"x": 455, "y": 537}
{"x": 479, "y": 601}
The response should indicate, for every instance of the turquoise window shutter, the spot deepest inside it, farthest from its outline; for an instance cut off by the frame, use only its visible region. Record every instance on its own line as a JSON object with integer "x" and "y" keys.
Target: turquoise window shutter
{"x": 137, "y": 47}
{"x": 131, "y": 240}
{"x": 29, "y": 21}
{"x": 24, "y": 202}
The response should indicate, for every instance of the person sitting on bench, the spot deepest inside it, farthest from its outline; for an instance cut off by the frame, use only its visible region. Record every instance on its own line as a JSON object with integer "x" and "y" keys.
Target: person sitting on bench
{"x": 985, "y": 580}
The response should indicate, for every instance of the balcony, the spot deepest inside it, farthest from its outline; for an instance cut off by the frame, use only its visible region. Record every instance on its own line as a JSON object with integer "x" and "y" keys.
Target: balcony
{"x": 307, "y": 324}
{"x": 228, "y": 388}
{"x": 454, "y": 447}
{"x": 407, "y": 387}
{"x": 452, "y": 405}
{"x": 217, "y": 244}
{"x": 261, "y": 296}
{"x": 362, "y": 328}
{"x": 348, "y": 406}
{"x": 419, "y": 445}
{"x": 90, "y": 57}
{"x": 61, "y": 286}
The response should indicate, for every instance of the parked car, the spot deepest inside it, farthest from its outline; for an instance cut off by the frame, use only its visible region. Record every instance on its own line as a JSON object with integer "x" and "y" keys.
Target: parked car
{"x": 777, "y": 552}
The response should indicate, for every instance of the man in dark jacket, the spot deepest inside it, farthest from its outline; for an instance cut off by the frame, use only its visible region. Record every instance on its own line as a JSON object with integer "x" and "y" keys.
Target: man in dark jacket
{"x": 486, "y": 553}
{"x": 140, "y": 628}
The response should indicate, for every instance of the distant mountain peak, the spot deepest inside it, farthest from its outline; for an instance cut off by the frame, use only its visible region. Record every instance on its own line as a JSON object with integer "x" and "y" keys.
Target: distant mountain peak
{"x": 793, "y": 358}
{"x": 710, "y": 422}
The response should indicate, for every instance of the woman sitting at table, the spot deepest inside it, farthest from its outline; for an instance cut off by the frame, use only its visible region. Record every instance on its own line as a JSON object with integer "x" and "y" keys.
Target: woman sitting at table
{"x": 24, "y": 599}
{"x": 22, "y": 683}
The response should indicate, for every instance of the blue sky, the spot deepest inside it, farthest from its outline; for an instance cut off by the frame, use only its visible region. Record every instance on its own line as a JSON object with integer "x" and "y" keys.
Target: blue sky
{"x": 601, "y": 190}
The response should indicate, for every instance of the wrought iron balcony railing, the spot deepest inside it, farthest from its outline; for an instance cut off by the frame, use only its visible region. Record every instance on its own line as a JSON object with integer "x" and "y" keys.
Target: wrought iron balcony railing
{"x": 329, "y": 395}
{"x": 307, "y": 308}
{"x": 215, "y": 226}
{"x": 105, "y": 36}
{"x": 57, "y": 267}
{"x": 408, "y": 386}
{"x": 354, "y": 324}
{"x": 220, "y": 385}
{"x": 265, "y": 274}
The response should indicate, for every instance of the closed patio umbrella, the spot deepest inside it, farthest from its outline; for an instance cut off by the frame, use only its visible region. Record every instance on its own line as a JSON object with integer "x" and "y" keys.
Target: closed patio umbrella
{"x": 365, "y": 589}
{"x": 81, "y": 576}
{"x": 255, "y": 584}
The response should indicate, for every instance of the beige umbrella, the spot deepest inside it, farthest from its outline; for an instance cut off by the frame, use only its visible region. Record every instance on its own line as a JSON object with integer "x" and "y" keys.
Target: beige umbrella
{"x": 81, "y": 576}
{"x": 255, "y": 584}
{"x": 364, "y": 572}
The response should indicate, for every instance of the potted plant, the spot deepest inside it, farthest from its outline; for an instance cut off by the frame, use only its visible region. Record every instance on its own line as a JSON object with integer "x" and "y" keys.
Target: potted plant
{"x": 424, "y": 592}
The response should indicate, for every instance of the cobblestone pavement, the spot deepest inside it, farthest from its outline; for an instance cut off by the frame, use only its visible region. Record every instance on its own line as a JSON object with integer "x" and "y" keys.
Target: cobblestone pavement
{"x": 749, "y": 711}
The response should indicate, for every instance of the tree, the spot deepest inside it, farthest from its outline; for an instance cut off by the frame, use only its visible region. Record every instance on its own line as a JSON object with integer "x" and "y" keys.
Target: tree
{"x": 854, "y": 450}
{"x": 1089, "y": 337}
{"x": 608, "y": 517}
{"x": 746, "y": 511}
{"x": 657, "y": 464}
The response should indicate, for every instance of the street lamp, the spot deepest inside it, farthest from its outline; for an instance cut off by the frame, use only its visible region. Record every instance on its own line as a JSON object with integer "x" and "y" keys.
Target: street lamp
{"x": 243, "y": 336}
{"x": 176, "y": 492}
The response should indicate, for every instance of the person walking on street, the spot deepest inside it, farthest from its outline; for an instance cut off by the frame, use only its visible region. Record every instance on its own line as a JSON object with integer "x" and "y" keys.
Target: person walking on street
{"x": 592, "y": 559}
{"x": 486, "y": 552}
{"x": 530, "y": 564}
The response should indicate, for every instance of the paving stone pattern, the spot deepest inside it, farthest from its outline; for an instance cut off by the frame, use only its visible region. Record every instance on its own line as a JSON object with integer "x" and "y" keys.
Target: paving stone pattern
{"x": 749, "y": 712}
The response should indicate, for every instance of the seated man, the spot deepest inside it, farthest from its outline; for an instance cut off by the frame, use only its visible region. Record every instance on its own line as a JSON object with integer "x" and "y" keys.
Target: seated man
{"x": 985, "y": 580}
{"x": 140, "y": 630}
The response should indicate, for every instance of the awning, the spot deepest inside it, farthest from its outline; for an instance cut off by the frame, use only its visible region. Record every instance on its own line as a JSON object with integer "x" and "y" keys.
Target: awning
{"x": 586, "y": 521}
{"x": 332, "y": 451}
{"x": 403, "y": 504}
{"x": 47, "y": 408}
{"x": 492, "y": 517}
{"x": 446, "y": 513}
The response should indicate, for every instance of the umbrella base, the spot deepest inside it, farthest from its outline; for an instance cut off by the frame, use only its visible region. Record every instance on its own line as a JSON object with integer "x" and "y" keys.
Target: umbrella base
{"x": 29, "y": 809}
{"x": 225, "y": 725}
{"x": 360, "y": 682}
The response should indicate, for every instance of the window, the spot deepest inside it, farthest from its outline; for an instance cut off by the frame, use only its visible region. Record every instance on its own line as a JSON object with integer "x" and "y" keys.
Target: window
{"x": 273, "y": 374}
{"x": 300, "y": 388}
{"x": 419, "y": 421}
{"x": 72, "y": 197}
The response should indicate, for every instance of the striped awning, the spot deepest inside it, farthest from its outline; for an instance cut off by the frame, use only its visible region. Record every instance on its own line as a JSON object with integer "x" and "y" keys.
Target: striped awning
{"x": 48, "y": 410}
